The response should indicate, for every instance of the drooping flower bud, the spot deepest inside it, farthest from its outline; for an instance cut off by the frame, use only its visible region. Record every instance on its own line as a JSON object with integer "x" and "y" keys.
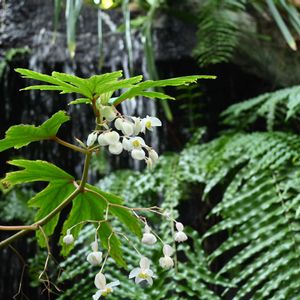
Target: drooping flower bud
{"x": 112, "y": 137}
{"x": 102, "y": 139}
{"x": 94, "y": 258}
{"x": 166, "y": 262}
{"x": 148, "y": 237}
{"x": 180, "y": 236}
{"x": 68, "y": 239}
{"x": 92, "y": 137}
{"x": 153, "y": 155}
{"x": 108, "y": 113}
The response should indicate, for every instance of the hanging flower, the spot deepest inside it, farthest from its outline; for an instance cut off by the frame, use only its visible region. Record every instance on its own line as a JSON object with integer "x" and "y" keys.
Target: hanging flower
{"x": 167, "y": 262}
{"x": 149, "y": 123}
{"x": 108, "y": 112}
{"x": 180, "y": 236}
{"x": 116, "y": 148}
{"x": 125, "y": 126}
{"x": 92, "y": 137}
{"x": 144, "y": 273}
{"x": 148, "y": 237}
{"x": 68, "y": 239}
{"x": 138, "y": 154}
{"x": 103, "y": 288}
{"x": 95, "y": 257}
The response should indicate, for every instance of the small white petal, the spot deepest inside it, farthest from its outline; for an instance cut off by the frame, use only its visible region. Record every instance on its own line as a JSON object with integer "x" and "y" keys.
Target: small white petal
{"x": 112, "y": 137}
{"x": 166, "y": 262}
{"x": 126, "y": 144}
{"x": 94, "y": 258}
{"x": 149, "y": 280}
{"x": 145, "y": 263}
{"x": 137, "y": 125}
{"x": 68, "y": 239}
{"x": 113, "y": 284}
{"x": 137, "y": 142}
{"x": 134, "y": 272}
{"x": 149, "y": 163}
{"x": 116, "y": 148}
{"x": 155, "y": 121}
{"x": 168, "y": 250}
{"x": 102, "y": 140}
{"x": 127, "y": 128}
{"x": 179, "y": 226}
{"x": 149, "y": 272}
{"x": 92, "y": 137}
{"x": 138, "y": 280}
{"x": 97, "y": 295}
{"x": 100, "y": 281}
{"x": 149, "y": 239}
{"x": 118, "y": 123}
{"x": 138, "y": 154}
{"x": 180, "y": 236}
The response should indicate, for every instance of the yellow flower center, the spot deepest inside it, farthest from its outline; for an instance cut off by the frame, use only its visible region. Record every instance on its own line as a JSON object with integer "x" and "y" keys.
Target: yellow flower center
{"x": 148, "y": 124}
{"x": 143, "y": 275}
{"x": 106, "y": 292}
{"x": 136, "y": 144}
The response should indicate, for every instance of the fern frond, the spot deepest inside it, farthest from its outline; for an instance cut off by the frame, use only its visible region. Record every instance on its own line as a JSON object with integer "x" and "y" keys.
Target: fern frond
{"x": 217, "y": 31}
{"x": 275, "y": 108}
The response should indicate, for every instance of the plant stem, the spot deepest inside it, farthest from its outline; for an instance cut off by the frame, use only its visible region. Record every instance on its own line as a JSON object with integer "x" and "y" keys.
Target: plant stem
{"x": 71, "y": 146}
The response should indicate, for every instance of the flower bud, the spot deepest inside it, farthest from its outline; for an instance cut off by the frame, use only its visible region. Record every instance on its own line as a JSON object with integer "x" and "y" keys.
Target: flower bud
{"x": 126, "y": 144}
{"x": 127, "y": 128}
{"x": 94, "y": 258}
{"x": 166, "y": 262}
{"x": 138, "y": 154}
{"x": 102, "y": 139}
{"x": 180, "y": 236}
{"x": 116, "y": 148}
{"x": 179, "y": 226}
{"x": 118, "y": 123}
{"x": 109, "y": 113}
{"x": 153, "y": 155}
{"x": 68, "y": 239}
{"x": 112, "y": 137}
{"x": 168, "y": 250}
{"x": 149, "y": 239}
{"x": 92, "y": 137}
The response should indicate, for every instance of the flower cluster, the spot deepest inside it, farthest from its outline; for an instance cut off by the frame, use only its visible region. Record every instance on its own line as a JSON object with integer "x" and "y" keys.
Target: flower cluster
{"x": 142, "y": 274}
{"x": 124, "y": 136}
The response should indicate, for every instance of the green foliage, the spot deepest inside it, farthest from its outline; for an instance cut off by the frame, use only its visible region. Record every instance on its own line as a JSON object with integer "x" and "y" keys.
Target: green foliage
{"x": 19, "y": 136}
{"x": 101, "y": 85}
{"x": 277, "y": 108}
{"x": 218, "y": 30}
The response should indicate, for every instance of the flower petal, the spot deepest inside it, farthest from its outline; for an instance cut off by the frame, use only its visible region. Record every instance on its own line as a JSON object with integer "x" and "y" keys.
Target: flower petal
{"x": 112, "y": 284}
{"x": 134, "y": 272}
{"x": 145, "y": 263}
{"x": 155, "y": 121}
{"x": 97, "y": 295}
{"x": 168, "y": 250}
{"x": 100, "y": 281}
{"x": 150, "y": 281}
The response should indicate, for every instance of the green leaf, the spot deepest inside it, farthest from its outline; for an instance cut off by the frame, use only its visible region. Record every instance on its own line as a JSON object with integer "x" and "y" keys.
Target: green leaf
{"x": 138, "y": 89}
{"x": 80, "y": 101}
{"x": 59, "y": 188}
{"x": 21, "y": 135}
{"x": 47, "y": 200}
{"x": 35, "y": 170}
{"x": 110, "y": 241}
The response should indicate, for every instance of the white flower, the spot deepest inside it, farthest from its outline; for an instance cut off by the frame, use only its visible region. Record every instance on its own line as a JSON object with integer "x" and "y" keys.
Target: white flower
{"x": 138, "y": 154}
{"x": 94, "y": 258}
{"x": 137, "y": 125}
{"x": 68, "y": 239}
{"x": 149, "y": 123}
{"x": 108, "y": 113}
{"x": 112, "y": 137}
{"x": 167, "y": 262}
{"x": 116, "y": 148}
{"x": 92, "y": 137}
{"x": 103, "y": 288}
{"x": 148, "y": 237}
{"x": 180, "y": 236}
{"x": 144, "y": 273}
{"x": 125, "y": 126}
{"x": 137, "y": 143}
{"x": 102, "y": 140}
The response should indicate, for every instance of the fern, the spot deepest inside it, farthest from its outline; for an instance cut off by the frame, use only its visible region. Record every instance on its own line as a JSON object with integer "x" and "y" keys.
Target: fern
{"x": 276, "y": 108}
{"x": 217, "y": 31}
